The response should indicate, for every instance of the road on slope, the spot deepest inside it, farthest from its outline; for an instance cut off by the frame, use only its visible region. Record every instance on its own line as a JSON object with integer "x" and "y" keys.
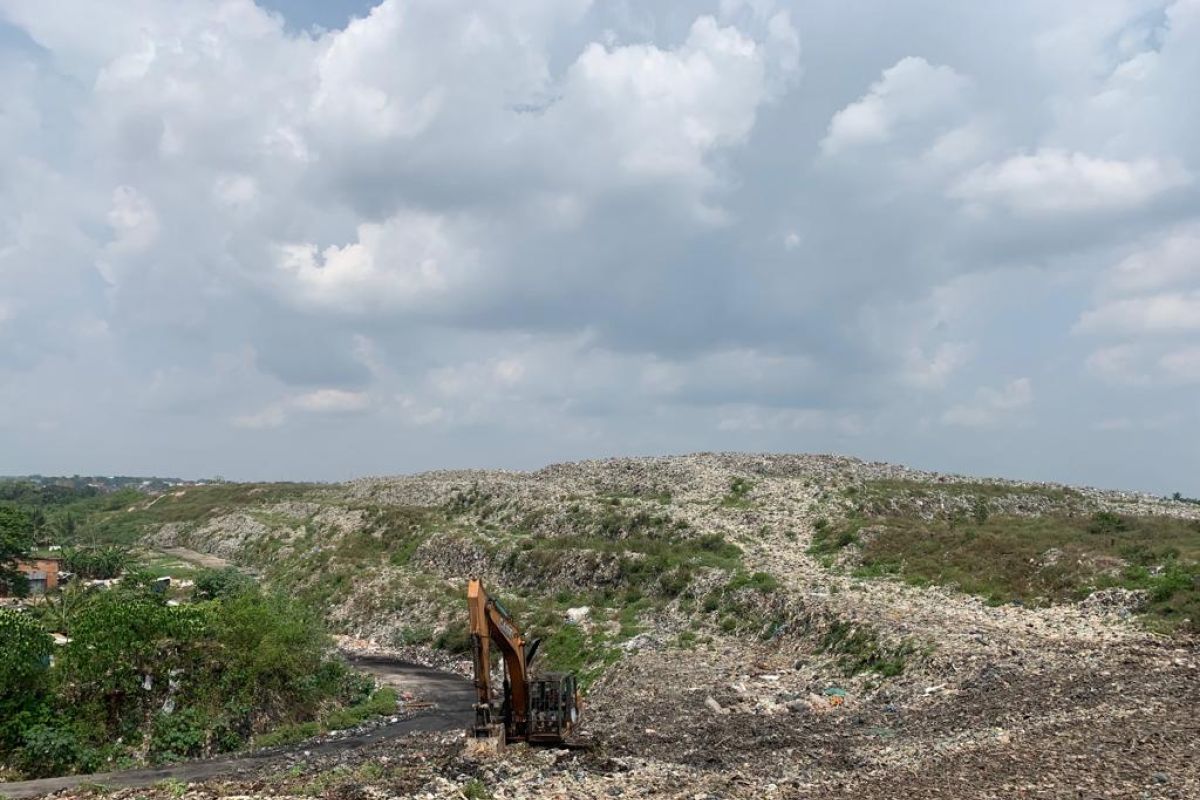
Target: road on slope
{"x": 452, "y": 697}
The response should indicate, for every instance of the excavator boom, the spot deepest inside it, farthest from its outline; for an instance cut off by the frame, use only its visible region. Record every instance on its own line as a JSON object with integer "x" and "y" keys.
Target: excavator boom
{"x": 543, "y": 709}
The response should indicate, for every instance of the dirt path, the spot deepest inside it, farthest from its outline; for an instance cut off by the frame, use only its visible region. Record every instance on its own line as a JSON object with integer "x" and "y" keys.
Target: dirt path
{"x": 451, "y": 695}
{"x": 193, "y": 557}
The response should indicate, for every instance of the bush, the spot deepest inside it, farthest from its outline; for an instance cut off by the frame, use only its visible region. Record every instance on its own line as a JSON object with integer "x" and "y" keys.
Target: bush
{"x": 24, "y": 654}
{"x": 1106, "y": 522}
{"x": 456, "y": 638}
{"x": 273, "y": 653}
{"x": 56, "y": 747}
{"x": 180, "y": 735}
{"x": 217, "y": 584}
{"x": 24, "y": 659}
{"x": 101, "y": 563}
{"x": 288, "y": 734}
{"x": 228, "y": 667}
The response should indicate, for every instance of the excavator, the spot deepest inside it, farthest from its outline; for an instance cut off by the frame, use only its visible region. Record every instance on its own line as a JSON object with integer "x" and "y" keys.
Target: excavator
{"x": 538, "y": 710}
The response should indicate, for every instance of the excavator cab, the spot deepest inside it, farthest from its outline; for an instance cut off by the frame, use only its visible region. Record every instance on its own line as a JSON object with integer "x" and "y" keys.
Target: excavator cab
{"x": 553, "y": 707}
{"x": 541, "y": 709}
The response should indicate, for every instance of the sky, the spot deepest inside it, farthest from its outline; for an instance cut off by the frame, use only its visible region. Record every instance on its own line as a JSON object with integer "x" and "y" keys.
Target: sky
{"x": 316, "y": 240}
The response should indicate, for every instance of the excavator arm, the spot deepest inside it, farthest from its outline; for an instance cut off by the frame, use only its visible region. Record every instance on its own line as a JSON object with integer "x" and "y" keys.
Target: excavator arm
{"x": 490, "y": 622}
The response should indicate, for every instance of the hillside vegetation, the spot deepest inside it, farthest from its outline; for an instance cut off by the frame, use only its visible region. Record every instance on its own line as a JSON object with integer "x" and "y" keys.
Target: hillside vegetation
{"x": 748, "y": 625}
{"x": 1050, "y": 547}
{"x": 142, "y": 681}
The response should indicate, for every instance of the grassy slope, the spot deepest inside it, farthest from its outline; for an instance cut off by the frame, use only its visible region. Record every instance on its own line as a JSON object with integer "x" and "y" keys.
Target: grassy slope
{"x": 1058, "y": 556}
{"x": 655, "y": 561}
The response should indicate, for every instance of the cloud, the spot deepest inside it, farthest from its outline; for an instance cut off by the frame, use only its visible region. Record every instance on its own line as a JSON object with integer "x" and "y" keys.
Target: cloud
{"x": 1054, "y": 181}
{"x": 1182, "y": 366}
{"x": 1175, "y": 259}
{"x": 992, "y": 406}
{"x": 524, "y": 231}
{"x": 661, "y": 112}
{"x": 1163, "y": 313}
{"x": 933, "y": 370}
{"x": 269, "y": 417}
{"x": 332, "y": 401}
{"x": 409, "y": 261}
{"x": 1121, "y": 364}
{"x": 749, "y": 418}
{"x": 909, "y": 92}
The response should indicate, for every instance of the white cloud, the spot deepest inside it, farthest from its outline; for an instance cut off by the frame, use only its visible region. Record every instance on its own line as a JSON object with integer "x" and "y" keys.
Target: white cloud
{"x": 1120, "y": 364}
{"x": 932, "y": 370}
{"x": 1173, "y": 259}
{"x": 663, "y": 110}
{"x": 332, "y": 401}
{"x": 1054, "y": 181}
{"x": 910, "y": 91}
{"x": 1164, "y": 313}
{"x": 270, "y": 417}
{"x": 410, "y": 260}
{"x": 991, "y": 406}
{"x": 326, "y": 401}
{"x": 755, "y": 419}
{"x": 1182, "y": 366}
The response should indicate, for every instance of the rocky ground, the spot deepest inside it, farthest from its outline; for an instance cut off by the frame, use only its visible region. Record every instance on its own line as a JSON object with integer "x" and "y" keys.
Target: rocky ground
{"x": 1072, "y": 700}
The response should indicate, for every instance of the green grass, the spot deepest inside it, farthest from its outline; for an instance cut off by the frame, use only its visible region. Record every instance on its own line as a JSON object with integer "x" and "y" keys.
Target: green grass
{"x": 859, "y": 649}
{"x": 906, "y": 487}
{"x": 571, "y": 649}
{"x": 382, "y": 702}
{"x": 1005, "y": 558}
{"x": 126, "y": 523}
{"x": 738, "y": 495}
{"x": 286, "y": 734}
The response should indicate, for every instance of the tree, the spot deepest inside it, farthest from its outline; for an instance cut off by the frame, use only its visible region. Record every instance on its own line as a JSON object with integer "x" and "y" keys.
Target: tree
{"x": 24, "y": 658}
{"x": 37, "y": 522}
{"x": 65, "y": 527}
{"x": 16, "y": 540}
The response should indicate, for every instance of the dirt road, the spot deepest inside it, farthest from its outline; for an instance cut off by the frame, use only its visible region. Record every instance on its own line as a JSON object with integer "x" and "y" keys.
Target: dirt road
{"x": 451, "y": 695}
{"x": 199, "y": 559}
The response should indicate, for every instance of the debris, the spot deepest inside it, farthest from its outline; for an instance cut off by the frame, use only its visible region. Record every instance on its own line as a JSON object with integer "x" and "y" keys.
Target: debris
{"x": 716, "y": 707}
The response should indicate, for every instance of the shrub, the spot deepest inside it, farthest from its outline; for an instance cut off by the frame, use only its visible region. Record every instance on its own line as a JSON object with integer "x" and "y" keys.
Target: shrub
{"x": 214, "y": 584}
{"x": 55, "y": 747}
{"x": 859, "y": 649}
{"x": 739, "y": 489}
{"x": 24, "y": 654}
{"x": 181, "y": 735}
{"x": 1106, "y": 522}
{"x": 24, "y": 658}
{"x": 454, "y": 639}
{"x": 98, "y": 562}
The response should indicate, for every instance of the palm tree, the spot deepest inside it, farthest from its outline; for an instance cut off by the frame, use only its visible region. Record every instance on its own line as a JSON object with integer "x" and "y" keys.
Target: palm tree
{"x": 65, "y": 526}
{"x": 59, "y": 610}
{"x": 37, "y": 521}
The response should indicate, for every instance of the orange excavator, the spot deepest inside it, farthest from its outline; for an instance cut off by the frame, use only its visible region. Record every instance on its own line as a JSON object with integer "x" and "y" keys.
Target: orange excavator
{"x": 538, "y": 710}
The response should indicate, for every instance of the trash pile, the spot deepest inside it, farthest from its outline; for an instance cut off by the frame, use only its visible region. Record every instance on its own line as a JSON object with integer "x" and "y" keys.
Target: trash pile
{"x": 862, "y": 689}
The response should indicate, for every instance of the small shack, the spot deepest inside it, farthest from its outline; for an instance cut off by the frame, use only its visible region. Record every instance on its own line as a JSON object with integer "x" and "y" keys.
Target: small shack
{"x": 42, "y": 574}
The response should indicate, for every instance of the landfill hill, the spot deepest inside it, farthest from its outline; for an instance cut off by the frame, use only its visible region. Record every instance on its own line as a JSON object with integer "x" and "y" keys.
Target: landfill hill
{"x": 752, "y": 625}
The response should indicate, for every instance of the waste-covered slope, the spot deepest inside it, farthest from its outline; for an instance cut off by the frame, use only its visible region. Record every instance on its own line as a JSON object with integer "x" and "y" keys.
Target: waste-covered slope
{"x": 806, "y": 626}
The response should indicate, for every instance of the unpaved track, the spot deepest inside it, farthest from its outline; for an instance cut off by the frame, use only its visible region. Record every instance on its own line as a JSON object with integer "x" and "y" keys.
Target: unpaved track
{"x": 451, "y": 695}
{"x": 199, "y": 559}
